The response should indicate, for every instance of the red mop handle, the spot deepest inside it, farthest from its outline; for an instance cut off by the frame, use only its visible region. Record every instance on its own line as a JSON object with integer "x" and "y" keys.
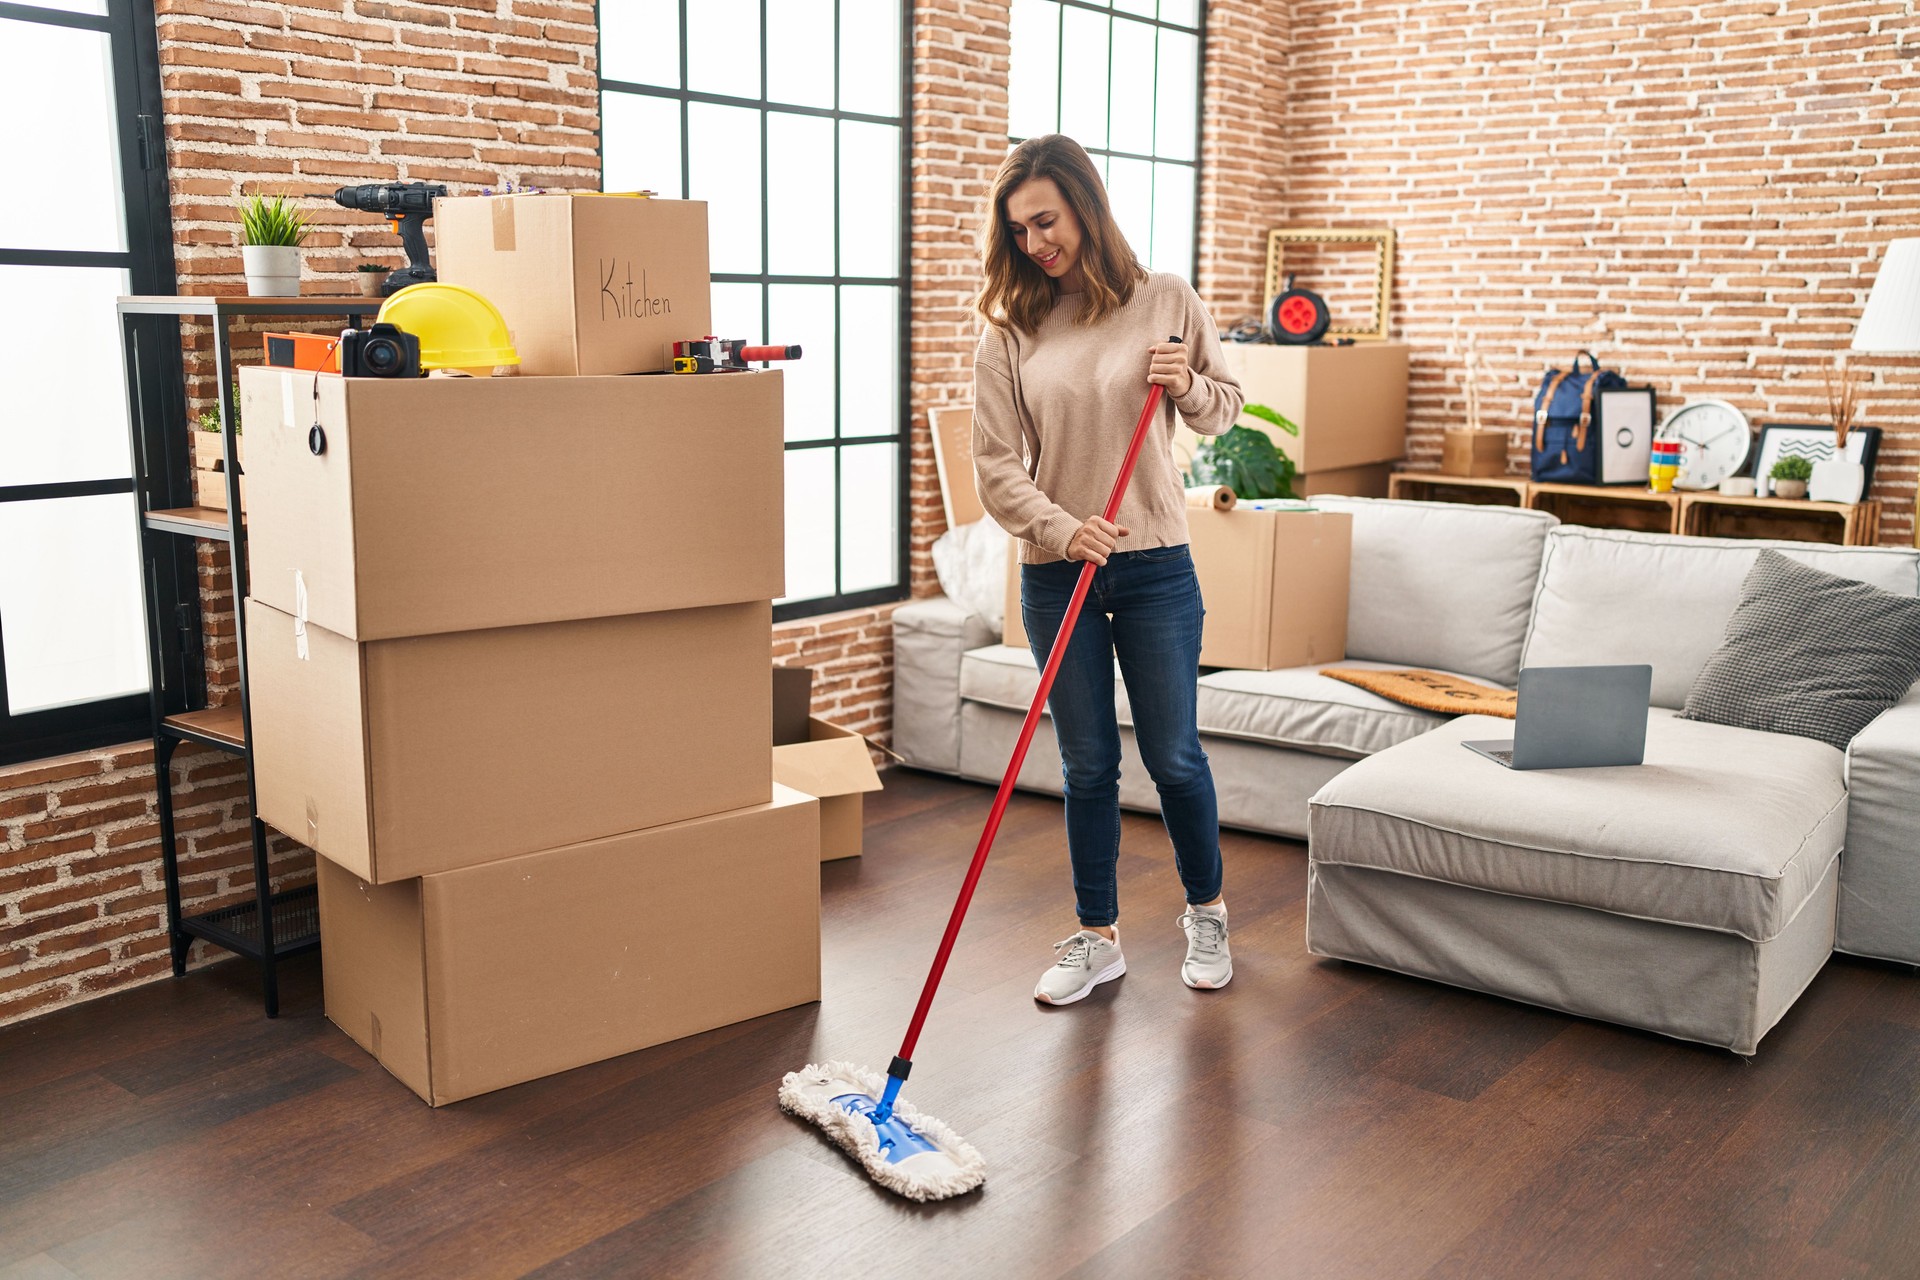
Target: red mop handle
{"x": 1026, "y": 734}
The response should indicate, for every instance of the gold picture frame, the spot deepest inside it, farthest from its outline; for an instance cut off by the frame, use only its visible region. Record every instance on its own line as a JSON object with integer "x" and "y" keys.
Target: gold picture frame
{"x": 1379, "y": 237}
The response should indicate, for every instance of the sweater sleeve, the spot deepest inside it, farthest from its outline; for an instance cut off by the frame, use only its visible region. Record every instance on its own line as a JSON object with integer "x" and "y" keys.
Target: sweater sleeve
{"x": 1214, "y": 401}
{"x": 1006, "y": 490}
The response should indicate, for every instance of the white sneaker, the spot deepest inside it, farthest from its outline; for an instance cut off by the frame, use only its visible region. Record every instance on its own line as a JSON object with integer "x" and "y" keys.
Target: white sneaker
{"x": 1209, "y": 965}
{"x": 1086, "y": 961}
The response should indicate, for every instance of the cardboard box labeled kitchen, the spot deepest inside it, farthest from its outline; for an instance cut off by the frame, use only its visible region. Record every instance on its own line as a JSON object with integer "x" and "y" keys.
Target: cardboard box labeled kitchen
{"x": 402, "y": 758}
{"x": 588, "y": 283}
{"x": 450, "y": 504}
{"x": 1350, "y": 403}
{"x": 1275, "y": 586}
{"x": 474, "y": 980}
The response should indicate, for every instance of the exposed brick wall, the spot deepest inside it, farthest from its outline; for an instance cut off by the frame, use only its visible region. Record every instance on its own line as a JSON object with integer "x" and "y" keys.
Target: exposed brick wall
{"x": 1243, "y": 152}
{"x": 1699, "y": 192}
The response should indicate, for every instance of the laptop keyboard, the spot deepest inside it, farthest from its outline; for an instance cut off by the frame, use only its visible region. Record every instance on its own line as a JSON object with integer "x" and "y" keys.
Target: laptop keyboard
{"x": 1504, "y": 757}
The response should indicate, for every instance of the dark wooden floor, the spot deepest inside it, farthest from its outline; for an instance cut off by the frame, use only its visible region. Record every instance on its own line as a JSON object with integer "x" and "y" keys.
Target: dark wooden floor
{"x": 1315, "y": 1119}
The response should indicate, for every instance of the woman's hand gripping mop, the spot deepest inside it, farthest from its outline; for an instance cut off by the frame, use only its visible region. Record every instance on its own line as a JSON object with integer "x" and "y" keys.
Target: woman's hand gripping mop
{"x": 901, "y": 1148}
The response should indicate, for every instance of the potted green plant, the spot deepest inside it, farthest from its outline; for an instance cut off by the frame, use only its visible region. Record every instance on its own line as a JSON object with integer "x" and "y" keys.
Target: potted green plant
{"x": 1246, "y": 460}
{"x": 371, "y": 276}
{"x": 1790, "y": 475}
{"x": 271, "y": 232}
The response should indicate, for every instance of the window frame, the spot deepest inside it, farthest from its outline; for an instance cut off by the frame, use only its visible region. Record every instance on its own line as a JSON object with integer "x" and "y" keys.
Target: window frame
{"x": 901, "y": 437}
{"x": 155, "y": 391}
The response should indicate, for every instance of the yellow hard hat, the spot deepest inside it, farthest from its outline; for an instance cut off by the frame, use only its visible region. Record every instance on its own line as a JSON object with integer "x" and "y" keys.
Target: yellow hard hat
{"x": 457, "y": 328}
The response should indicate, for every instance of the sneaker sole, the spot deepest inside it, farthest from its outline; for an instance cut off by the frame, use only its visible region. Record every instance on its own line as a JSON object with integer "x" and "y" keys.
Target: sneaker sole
{"x": 1107, "y": 974}
{"x": 1207, "y": 986}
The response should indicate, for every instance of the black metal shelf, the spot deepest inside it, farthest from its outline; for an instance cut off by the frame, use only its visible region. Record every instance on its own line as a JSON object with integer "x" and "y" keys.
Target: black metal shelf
{"x": 296, "y": 925}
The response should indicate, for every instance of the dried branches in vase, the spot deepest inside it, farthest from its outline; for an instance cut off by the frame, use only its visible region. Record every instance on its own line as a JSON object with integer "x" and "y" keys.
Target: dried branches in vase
{"x": 1471, "y": 377}
{"x": 1839, "y": 479}
{"x": 1841, "y": 404}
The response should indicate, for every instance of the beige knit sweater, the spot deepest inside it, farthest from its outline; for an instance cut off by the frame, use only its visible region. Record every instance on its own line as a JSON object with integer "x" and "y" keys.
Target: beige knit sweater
{"x": 1054, "y": 411}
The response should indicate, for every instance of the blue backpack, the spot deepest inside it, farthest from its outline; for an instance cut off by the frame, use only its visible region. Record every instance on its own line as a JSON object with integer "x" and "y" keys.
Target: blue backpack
{"x": 1566, "y": 448}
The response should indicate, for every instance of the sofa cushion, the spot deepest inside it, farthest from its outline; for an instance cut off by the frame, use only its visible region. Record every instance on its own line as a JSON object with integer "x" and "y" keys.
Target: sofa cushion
{"x": 1721, "y": 828}
{"x": 1442, "y": 585}
{"x": 1809, "y": 653}
{"x": 1608, "y": 596}
{"x": 1003, "y": 676}
{"x": 1880, "y": 875}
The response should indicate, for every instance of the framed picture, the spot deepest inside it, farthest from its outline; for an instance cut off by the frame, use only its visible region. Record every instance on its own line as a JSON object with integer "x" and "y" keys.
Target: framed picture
{"x": 1381, "y": 241}
{"x": 1814, "y": 442}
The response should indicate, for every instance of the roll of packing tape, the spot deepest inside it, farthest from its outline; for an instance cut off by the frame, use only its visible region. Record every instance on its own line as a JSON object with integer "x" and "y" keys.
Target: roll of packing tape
{"x": 1217, "y": 496}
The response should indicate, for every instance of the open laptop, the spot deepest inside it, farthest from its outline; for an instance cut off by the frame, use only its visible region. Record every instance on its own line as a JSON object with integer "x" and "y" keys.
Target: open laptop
{"x": 1576, "y": 718}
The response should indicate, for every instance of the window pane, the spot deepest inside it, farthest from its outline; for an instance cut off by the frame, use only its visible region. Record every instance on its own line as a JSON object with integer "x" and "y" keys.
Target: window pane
{"x": 1178, "y": 96}
{"x": 800, "y": 206}
{"x": 640, "y": 42}
{"x": 1083, "y": 90}
{"x": 869, "y": 199}
{"x": 640, "y": 144}
{"x": 736, "y": 312}
{"x": 800, "y": 33}
{"x": 803, "y": 313}
{"x": 96, "y": 7}
{"x": 725, "y": 172}
{"x": 870, "y": 57}
{"x": 70, "y": 601}
{"x": 56, "y": 95}
{"x": 809, "y": 523}
{"x": 869, "y": 360}
{"x": 71, "y": 425}
{"x": 1033, "y": 92}
{"x": 1184, "y": 12}
{"x": 1173, "y": 238}
{"x": 1131, "y": 126}
{"x": 1130, "y": 190}
{"x": 1144, "y": 8}
{"x": 869, "y": 516}
{"x": 723, "y": 48}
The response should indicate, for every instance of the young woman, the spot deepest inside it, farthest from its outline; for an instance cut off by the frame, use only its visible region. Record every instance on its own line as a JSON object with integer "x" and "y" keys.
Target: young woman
{"x": 1076, "y": 331}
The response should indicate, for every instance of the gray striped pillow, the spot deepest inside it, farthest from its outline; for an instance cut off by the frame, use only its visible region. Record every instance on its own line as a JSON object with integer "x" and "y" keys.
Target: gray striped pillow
{"x": 1808, "y": 653}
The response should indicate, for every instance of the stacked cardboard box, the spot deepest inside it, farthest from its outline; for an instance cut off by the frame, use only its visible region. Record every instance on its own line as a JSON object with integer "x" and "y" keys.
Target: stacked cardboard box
{"x": 510, "y": 677}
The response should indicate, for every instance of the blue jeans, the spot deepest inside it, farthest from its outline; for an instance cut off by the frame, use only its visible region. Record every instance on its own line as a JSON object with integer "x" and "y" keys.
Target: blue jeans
{"x": 1144, "y": 609}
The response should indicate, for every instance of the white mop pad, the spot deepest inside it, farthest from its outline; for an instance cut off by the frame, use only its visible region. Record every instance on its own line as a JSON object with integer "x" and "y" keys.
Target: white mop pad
{"x": 912, "y": 1154}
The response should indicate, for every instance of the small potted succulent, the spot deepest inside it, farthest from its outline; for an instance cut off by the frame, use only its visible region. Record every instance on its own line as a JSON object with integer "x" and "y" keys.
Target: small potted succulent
{"x": 271, "y": 232}
{"x": 371, "y": 276}
{"x": 1790, "y": 475}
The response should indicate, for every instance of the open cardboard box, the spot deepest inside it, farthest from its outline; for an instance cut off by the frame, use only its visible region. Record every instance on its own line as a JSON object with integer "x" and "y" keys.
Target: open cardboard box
{"x": 473, "y": 980}
{"x": 453, "y": 504}
{"x": 402, "y": 758}
{"x": 588, "y": 283}
{"x": 824, "y": 761}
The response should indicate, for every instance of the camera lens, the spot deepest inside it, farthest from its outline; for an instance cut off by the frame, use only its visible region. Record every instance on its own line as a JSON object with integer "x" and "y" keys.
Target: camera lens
{"x": 382, "y": 356}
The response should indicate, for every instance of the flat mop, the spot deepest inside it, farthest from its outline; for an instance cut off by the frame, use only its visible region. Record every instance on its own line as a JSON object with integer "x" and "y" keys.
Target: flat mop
{"x": 902, "y": 1149}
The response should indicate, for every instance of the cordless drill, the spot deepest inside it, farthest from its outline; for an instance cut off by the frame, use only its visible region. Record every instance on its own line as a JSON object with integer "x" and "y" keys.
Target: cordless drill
{"x": 406, "y": 206}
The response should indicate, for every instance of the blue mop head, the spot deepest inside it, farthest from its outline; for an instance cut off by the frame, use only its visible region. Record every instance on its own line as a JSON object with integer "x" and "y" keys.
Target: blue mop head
{"x": 911, "y": 1154}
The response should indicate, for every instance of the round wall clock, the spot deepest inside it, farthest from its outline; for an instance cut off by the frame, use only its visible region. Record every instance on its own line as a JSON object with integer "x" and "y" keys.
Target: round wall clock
{"x": 1714, "y": 442}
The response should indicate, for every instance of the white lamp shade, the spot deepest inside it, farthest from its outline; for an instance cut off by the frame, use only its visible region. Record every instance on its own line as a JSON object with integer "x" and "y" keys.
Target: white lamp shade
{"x": 1891, "y": 323}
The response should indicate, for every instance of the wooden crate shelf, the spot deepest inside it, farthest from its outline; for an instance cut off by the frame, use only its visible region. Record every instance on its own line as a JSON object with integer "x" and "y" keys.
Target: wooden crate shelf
{"x": 1431, "y": 486}
{"x": 1715, "y": 515}
{"x": 1608, "y": 506}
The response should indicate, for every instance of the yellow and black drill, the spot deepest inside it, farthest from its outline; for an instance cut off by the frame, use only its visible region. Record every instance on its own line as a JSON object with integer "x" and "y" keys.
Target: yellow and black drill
{"x": 406, "y": 206}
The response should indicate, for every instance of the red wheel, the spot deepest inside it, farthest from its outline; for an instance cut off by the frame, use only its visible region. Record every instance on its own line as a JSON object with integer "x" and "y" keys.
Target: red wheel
{"x": 1298, "y": 316}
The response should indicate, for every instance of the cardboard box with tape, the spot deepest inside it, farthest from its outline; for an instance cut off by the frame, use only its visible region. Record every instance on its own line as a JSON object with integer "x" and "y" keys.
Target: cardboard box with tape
{"x": 823, "y": 760}
{"x": 587, "y": 283}
{"x": 449, "y": 504}
{"x": 412, "y": 756}
{"x": 472, "y": 980}
{"x": 1350, "y": 403}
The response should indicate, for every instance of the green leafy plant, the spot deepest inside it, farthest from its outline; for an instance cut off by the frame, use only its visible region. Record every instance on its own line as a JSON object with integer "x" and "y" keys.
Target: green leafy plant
{"x": 1792, "y": 467}
{"x": 1245, "y": 460}
{"x": 271, "y": 220}
{"x": 369, "y": 268}
{"x": 209, "y": 419}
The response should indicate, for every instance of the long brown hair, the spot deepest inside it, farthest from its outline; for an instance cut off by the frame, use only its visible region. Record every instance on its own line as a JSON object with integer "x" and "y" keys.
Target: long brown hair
{"x": 1017, "y": 292}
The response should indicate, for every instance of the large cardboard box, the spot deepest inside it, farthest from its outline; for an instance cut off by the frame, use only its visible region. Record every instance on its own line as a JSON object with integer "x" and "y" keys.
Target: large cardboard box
{"x": 1350, "y": 403}
{"x": 1275, "y": 586}
{"x": 474, "y": 980}
{"x": 832, "y": 765}
{"x": 587, "y": 283}
{"x": 1369, "y": 481}
{"x": 450, "y": 504}
{"x": 402, "y": 758}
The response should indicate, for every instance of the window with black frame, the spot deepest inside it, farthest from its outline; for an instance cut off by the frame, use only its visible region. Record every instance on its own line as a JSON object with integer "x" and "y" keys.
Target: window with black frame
{"x": 1123, "y": 80}
{"x": 86, "y": 222}
{"x": 789, "y": 118}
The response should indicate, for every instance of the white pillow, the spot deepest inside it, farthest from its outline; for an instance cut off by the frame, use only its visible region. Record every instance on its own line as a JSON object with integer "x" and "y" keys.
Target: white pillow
{"x": 971, "y": 563}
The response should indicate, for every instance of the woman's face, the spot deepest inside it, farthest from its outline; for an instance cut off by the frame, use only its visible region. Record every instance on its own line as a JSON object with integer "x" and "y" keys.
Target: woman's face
{"x": 1045, "y": 229}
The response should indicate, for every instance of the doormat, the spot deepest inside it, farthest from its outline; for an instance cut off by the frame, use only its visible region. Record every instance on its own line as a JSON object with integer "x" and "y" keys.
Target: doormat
{"x": 1431, "y": 691}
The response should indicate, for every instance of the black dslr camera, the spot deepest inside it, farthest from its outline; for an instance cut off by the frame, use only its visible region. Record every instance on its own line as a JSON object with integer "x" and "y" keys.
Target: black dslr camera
{"x": 384, "y": 351}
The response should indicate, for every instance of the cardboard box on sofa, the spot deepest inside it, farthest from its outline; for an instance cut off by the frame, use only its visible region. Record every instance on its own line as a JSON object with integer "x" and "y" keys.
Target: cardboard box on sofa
{"x": 473, "y": 980}
{"x": 1350, "y": 403}
{"x": 1275, "y": 586}
{"x": 825, "y": 761}
{"x": 449, "y": 504}
{"x": 587, "y": 283}
{"x": 407, "y": 757}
